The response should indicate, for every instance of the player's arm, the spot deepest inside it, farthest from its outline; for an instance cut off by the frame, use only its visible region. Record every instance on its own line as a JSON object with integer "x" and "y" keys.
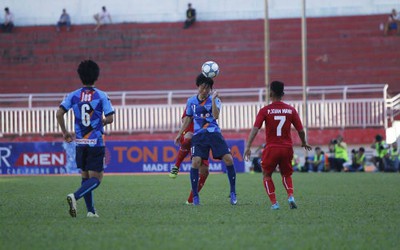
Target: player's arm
{"x": 108, "y": 119}
{"x": 252, "y": 135}
{"x": 299, "y": 127}
{"x": 60, "y": 119}
{"x": 185, "y": 123}
{"x": 304, "y": 143}
{"x": 215, "y": 108}
{"x": 108, "y": 110}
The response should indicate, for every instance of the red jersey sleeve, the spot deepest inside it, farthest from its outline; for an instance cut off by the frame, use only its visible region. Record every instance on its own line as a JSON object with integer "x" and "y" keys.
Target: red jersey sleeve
{"x": 260, "y": 118}
{"x": 296, "y": 121}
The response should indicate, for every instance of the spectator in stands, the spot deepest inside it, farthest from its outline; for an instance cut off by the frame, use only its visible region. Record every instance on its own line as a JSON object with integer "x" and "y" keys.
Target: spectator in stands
{"x": 318, "y": 162}
{"x": 358, "y": 161}
{"x": 256, "y": 162}
{"x": 101, "y": 18}
{"x": 190, "y": 16}
{"x": 392, "y": 159}
{"x": 64, "y": 20}
{"x": 8, "y": 24}
{"x": 392, "y": 23}
{"x": 339, "y": 148}
{"x": 296, "y": 163}
{"x": 381, "y": 151}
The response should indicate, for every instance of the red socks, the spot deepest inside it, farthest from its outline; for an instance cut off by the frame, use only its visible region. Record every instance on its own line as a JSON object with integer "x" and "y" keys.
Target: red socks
{"x": 183, "y": 152}
{"x": 270, "y": 189}
{"x": 288, "y": 184}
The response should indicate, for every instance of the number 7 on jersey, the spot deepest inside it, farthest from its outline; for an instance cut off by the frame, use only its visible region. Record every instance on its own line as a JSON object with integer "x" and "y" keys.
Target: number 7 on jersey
{"x": 281, "y": 119}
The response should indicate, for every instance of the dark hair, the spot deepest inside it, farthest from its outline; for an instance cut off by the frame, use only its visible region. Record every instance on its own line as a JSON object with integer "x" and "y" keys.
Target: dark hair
{"x": 104, "y": 7}
{"x": 6, "y": 9}
{"x": 277, "y": 87}
{"x": 361, "y": 149}
{"x": 88, "y": 72}
{"x": 317, "y": 148}
{"x": 378, "y": 137}
{"x": 203, "y": 79}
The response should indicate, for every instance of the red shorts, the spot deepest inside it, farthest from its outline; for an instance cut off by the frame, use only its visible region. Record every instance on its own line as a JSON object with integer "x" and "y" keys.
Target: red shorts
{"x": 272, "y": 157}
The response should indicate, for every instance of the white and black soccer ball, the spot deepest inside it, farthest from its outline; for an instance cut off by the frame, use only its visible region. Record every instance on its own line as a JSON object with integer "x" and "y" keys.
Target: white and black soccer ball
{"x": 210, "y": 69}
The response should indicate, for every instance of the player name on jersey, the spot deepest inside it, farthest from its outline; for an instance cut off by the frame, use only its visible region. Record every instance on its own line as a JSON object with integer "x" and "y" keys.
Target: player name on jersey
{"x": 279, "y": 111}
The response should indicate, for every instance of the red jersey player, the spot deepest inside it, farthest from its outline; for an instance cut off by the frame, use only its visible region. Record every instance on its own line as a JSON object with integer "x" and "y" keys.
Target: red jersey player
{"x": 278, "y": 117}
{"x": 184, "y": 149}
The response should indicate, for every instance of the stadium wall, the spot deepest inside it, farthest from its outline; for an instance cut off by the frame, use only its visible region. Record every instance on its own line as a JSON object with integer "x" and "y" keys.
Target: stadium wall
{"x": 29, "y": 12}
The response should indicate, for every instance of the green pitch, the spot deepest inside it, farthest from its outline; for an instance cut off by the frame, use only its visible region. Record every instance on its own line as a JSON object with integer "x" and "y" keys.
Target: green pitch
{"x": 336, "y": 211}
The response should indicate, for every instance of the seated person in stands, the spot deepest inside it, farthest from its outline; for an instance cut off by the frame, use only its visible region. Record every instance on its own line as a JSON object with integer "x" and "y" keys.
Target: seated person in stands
{"x": 381, "y": 151}
{"x": 339, "y": 149}
{"x": 392, "y": 24}
{"x": 256, "y": 162}
{"x": 64, "y": 20}
{"x": 318, "y": 162}
{"x": 101, "y": 18}
{"x": 296, "y": 163}
{"x": 358, "y": 161}
{"x": 8, "y": 24}
{"x": 392, "y": 159}
{"x": 190, "y": 16}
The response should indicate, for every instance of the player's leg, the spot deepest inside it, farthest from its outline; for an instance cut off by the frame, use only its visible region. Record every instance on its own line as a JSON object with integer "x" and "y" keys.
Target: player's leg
{"x": 71, "y": 197}
{"x": 286, "y": 173}
{"x": 269, "y": 163}
{"x": 194, "y": 179}
{"x": 94, "y": 160}
{"x": 80, "y": 158}
{"x": 203, "y": 174}
{"x": 200, "y": 150}
{"x": 221, "y": 150}
{"x": 88, "y": 196}
{"x": 184, "y": 150}
{"x": 231, "y": 173}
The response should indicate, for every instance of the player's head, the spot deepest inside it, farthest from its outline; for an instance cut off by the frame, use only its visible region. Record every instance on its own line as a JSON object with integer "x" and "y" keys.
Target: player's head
{"x": 276, "y": 89}
{"x": 201, "y": 79}
{"x": 88, "y": 72}
{"x": 361, "y": 149}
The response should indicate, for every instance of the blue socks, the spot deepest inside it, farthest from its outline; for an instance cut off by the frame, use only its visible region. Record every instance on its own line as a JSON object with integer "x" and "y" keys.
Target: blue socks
{"x": 194, "y": 180}
{"x": 88, "y": 198}
{"x": 230, "y": 170}
{"x": 87, "y": 187}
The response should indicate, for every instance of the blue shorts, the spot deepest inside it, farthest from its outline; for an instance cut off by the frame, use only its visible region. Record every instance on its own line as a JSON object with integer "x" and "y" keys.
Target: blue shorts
{"x": 90, "y": 158}
{"x": 203, "y": 142}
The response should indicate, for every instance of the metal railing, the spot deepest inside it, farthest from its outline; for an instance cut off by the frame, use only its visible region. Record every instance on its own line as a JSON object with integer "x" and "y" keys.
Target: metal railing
{"x": 234, "y": 116}
{"x": 170, "y": 97}
{"x": 343, "y": 111}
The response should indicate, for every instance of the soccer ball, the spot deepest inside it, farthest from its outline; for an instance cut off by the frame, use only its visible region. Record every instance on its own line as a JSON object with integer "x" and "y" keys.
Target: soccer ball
{"x": 210, "y": 69}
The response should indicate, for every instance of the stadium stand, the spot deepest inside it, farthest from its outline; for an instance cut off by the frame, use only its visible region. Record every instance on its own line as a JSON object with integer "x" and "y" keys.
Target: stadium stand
{"x": 154, "y": 56}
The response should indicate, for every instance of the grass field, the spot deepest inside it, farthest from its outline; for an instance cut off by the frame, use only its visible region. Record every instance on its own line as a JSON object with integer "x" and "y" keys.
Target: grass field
{"x": 336, "y": 211}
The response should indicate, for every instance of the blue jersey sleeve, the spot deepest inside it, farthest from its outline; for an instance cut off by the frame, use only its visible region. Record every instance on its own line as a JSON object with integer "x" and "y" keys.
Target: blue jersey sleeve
{"x": 218, "y": 103}
{"x": 66, "y": 104}
{"x": 108, "y": 109}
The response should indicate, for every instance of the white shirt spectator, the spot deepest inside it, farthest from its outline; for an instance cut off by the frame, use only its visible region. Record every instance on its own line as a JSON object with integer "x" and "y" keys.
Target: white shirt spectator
{"x": 8, "y": 18}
